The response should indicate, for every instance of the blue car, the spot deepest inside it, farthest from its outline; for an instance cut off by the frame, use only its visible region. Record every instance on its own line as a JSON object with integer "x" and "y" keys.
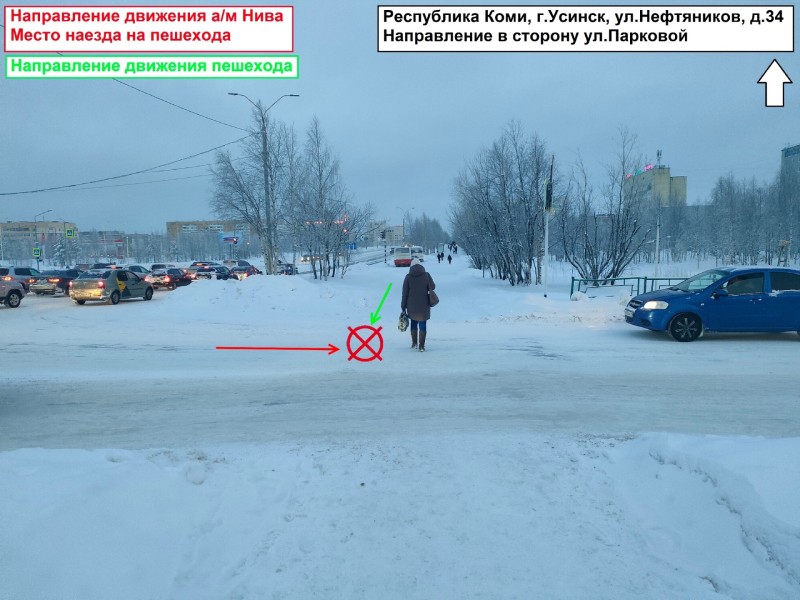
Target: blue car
{"x": 725, "y": 299}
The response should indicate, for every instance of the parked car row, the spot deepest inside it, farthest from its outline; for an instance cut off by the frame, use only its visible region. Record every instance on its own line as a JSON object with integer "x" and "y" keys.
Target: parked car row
{"x": 109, "y": 282}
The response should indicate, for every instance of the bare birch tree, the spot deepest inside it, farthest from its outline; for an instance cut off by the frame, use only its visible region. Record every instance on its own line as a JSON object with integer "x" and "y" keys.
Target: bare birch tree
{"x": 601, "y": 234}
{"x": 325, "y": 217}
{"x": 246, "y": 189}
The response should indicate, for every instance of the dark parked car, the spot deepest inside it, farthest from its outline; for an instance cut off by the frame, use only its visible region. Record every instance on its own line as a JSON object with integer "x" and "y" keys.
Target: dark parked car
{"x": 53, "y": 281}
{"x": 287, "y": 270}
{"x": 223, "y": 273}
{"x": 243, "y": 272}
{"x": 725, "y": 299}
{"x": 168, "y": 278}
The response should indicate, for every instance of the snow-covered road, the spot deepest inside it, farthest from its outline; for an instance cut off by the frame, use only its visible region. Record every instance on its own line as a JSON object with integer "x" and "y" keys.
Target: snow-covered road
{"x": 518, "y": 376}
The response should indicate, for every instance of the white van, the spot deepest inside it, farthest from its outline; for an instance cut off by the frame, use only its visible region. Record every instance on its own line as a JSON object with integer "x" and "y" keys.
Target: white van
{"x": 418, "y": 252}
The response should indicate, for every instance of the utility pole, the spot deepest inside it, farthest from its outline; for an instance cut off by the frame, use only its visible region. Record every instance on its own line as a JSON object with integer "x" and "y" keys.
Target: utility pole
{"x": 269, "y": 199}
{"x": 658, "y": 237}
{"x": 548, "y": 208}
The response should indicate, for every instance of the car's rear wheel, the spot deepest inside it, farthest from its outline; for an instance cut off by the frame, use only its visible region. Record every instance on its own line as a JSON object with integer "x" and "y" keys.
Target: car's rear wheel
{"x": 685, "y": 327}
{"x": 81, "y": 302}
{"x": 114, "y": 298}
{"x": 13, "y": 299}
{"x": 148, "y": 293}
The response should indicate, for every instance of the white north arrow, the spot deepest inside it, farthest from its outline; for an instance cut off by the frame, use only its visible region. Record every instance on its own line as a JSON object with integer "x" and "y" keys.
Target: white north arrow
{"x": 774, "y": 78}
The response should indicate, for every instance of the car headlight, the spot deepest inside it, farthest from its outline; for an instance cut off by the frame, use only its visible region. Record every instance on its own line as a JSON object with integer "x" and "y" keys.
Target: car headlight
{"x": 655, "y": 305}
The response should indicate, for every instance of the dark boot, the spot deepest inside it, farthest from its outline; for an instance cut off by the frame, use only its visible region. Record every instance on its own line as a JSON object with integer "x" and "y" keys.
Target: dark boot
{"x": 413, "y": 338}
{"x": 422, "y": 335}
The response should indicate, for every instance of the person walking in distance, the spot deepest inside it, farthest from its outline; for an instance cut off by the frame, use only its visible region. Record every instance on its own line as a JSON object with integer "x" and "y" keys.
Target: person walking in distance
{"x": 416, "y": 303}
{"x": 449, "y": 259}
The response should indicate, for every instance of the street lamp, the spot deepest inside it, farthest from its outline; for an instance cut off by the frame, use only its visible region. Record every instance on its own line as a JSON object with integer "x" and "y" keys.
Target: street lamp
{"x": 269, "y": 201}
{"x": 404, "y": 213}
{"x": 36, "y": 235}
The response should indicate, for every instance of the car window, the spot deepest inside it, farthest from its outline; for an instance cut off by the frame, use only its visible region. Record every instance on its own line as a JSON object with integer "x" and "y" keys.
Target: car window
{"x": 750, "y": 283}
{"x": 782, "y": 282}
{"x": 701, "y": 281}
{"x": 133, "y": 277}
{"x": 122, "y": 276}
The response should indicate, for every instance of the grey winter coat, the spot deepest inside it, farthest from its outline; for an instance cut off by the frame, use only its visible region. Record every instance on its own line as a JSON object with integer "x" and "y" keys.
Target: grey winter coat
{"x": 415, "y": 293}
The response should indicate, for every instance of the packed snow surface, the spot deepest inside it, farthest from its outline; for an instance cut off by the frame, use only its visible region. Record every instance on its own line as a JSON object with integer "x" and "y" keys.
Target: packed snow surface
{"x": 541, "y": 448}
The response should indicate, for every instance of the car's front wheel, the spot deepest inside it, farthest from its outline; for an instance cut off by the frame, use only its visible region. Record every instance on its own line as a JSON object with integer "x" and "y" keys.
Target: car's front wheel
{"x": 13, "y": 299}
{"x": 80, "y": 302}
{"x": 685, "y": 327}
{"x": 115, "y": 298}
{"x": 148, "y": 294}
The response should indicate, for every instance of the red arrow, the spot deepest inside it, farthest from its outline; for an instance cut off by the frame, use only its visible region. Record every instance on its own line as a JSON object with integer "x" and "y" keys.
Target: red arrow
{"x": 330, "y": 348}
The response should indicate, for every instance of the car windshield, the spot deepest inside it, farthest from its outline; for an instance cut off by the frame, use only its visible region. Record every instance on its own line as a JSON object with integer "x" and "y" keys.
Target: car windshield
{"x": 700, "y": 281}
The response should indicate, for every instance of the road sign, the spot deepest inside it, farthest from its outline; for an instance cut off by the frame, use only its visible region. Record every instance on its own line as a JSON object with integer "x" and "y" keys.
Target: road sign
{"x": 37, "y": 253}
{"x": 70, "y": 232}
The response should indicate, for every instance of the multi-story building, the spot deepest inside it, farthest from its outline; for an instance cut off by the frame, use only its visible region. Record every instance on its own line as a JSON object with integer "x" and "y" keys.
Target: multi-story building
{"x": 790, "y": 158}
{"x": 380, "y": 232}
{"x": 38, "y": 231}
{"x": 656, "y": 184}
{"x": 211, "y": 239}
{"x": 25, "y": 241}
{"x": 176, "y": 229}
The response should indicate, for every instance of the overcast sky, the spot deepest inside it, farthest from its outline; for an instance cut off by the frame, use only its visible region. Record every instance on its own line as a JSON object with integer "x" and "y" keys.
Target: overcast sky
{"x": 402, "y": 124}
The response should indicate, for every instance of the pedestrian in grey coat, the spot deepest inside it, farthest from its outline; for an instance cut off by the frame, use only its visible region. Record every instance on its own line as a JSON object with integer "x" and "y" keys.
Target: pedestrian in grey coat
{"x": 416, "y": 302}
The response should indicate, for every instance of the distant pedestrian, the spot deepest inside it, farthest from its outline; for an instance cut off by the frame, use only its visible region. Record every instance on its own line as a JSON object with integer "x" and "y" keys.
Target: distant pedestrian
{"x": 449, "y": 259}
{"x": 416, "y": 302}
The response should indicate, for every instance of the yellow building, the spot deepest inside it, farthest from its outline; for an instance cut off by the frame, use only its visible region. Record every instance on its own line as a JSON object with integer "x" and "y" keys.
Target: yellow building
{"x": 38, "y": 231}
{"x": 656, "y": 184}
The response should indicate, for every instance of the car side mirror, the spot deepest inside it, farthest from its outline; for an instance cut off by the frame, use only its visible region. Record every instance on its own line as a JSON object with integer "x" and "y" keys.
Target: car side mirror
{"x": 720, "y": 293}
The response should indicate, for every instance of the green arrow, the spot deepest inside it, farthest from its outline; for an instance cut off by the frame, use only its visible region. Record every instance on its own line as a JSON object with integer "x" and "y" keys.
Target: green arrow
{"x": 375, "y": 316}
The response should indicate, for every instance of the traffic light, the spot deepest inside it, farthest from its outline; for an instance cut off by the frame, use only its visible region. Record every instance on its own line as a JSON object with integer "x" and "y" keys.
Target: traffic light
{"x": 383, "y": 234}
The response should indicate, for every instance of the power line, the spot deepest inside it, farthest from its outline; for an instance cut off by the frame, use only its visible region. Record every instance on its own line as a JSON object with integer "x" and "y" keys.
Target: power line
{"x": 73, "y": 185}
{"x": 114, "y": 185}
{"x": 178, "y": 106}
